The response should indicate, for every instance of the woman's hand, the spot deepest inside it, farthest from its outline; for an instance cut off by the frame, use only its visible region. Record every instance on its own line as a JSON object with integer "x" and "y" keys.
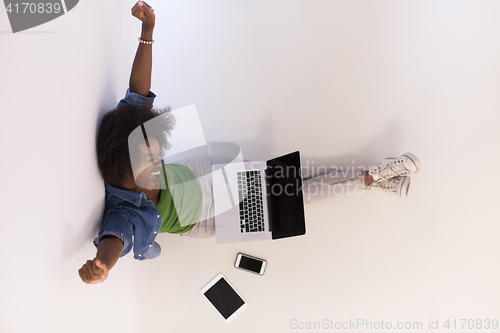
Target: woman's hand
{"x": 145, "y": 13}
{"x": 94, "y": 271}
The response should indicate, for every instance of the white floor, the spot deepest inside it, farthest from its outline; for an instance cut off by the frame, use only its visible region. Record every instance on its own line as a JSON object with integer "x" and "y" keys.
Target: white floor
{"x": 344, "y": 82}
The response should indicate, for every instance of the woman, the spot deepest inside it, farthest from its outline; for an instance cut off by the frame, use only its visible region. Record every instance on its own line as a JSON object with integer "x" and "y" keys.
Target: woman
{"x": 138, "y": 206}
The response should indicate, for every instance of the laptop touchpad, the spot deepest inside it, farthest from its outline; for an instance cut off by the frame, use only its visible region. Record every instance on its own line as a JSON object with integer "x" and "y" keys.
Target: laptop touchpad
{"x": 225, "y": 206}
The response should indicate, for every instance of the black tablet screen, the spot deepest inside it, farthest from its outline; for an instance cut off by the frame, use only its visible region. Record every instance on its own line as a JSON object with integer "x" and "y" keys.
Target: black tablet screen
{"x": 224, "y": 298}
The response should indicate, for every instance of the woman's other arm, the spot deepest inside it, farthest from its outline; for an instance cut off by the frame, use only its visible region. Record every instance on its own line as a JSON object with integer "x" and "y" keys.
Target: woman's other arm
{"x": 140, "y": 78}
{"x": 109, "y": 250}
{"x": 108, "y": 253}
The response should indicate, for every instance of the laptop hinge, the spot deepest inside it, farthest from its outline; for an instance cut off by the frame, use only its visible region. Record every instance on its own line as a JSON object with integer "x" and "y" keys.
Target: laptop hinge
{"x": 269, "y": 208}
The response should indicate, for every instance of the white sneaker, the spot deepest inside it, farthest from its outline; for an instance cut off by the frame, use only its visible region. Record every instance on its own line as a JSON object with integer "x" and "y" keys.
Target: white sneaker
{"x": 404, "y": 165}
{"x": 398, "y": 185}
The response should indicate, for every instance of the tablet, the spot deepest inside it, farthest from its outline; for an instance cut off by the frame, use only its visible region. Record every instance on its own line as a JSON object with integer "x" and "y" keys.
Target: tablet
{"x": 224, "y": 298}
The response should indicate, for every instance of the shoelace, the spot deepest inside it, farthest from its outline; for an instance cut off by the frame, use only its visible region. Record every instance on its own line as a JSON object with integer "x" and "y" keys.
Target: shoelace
{"x": 396, "y": 168}
{"x": 385, "y": 184}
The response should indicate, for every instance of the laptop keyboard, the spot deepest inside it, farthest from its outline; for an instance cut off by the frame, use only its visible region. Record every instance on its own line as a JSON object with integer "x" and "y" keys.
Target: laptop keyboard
{"x": 250, "y": 194}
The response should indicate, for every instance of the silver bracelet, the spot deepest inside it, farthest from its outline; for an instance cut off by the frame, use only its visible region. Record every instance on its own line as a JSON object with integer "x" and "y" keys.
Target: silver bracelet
{"x": 145, "y": 41}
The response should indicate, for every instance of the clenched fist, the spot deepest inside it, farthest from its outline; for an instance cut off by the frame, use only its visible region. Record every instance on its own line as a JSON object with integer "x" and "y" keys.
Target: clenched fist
{"x": 145, "y": 13}
{"x": 94, "y": 271}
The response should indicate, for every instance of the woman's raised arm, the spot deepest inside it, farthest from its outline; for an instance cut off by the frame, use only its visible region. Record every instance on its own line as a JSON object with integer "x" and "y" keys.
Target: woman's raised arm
{"x": 140, "y": 78}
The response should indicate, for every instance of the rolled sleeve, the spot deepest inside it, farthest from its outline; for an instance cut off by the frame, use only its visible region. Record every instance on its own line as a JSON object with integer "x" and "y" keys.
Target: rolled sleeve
{"x": 136, "y": 100}
{"x": 153, "y": 252}
{"x": 116, "y": 224}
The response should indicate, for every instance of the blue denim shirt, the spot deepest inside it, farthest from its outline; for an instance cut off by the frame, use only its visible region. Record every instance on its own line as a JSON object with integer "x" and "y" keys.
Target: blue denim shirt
{"x": 129, "y": 215}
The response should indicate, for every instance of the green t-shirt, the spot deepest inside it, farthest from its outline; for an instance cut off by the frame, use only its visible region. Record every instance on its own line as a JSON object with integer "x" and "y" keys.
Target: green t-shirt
{"x": 180, "y": 203}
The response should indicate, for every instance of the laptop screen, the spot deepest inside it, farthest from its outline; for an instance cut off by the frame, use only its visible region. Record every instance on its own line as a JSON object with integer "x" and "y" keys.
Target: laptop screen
{"x": 284, "y": 190}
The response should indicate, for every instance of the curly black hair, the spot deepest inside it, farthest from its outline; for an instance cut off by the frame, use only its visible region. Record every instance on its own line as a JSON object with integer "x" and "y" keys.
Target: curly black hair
{"x": 113, "y": 155}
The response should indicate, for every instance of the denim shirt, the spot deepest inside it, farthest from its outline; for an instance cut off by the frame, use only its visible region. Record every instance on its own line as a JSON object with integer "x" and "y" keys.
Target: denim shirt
{"x": 129, "y": 215}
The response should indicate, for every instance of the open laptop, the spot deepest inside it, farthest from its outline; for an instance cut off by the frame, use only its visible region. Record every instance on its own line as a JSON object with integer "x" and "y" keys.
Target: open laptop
{"x": 258, "y": 200}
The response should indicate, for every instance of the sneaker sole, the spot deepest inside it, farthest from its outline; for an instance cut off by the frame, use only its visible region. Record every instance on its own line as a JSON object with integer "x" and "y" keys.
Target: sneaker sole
{"x": 405, "y": 187}
{"x": 415, "y": 161}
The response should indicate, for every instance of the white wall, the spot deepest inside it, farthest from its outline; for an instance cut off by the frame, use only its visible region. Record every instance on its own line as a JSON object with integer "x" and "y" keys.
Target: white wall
{"x": 345, "y": 82}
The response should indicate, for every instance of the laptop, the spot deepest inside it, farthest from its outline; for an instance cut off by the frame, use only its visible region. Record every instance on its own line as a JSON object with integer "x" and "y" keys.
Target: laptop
{"x": 259, "y": 200}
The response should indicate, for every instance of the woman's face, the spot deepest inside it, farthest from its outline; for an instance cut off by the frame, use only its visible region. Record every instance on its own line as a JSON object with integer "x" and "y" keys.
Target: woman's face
{"x": 149, "y": 166}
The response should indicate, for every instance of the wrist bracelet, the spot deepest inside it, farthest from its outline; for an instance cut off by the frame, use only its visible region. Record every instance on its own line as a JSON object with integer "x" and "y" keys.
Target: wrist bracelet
{"x": 145, "y": 41}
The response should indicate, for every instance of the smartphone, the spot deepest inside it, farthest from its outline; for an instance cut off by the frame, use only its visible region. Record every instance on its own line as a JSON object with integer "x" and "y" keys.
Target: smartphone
{"x": 250, "y": 264}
